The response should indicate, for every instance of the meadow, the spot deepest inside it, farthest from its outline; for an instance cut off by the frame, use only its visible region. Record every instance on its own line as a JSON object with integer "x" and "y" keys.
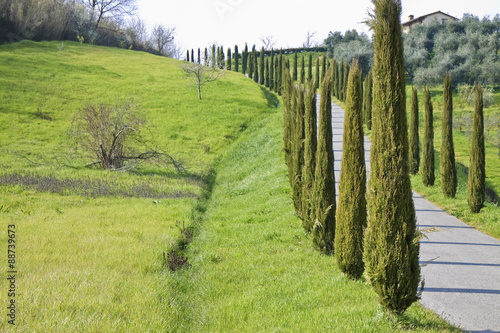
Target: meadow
{"x": 93, "y": 260}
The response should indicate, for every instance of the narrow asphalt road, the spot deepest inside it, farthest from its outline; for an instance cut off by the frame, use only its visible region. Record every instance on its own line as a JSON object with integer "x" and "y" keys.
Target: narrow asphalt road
{"x": 460, "y": 265}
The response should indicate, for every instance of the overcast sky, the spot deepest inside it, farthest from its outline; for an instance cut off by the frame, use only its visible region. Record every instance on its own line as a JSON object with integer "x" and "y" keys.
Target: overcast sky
{"x": 200, "y": 23}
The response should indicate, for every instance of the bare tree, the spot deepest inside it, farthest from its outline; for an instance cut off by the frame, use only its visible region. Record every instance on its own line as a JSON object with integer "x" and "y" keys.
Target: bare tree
{"x": 162, "y": 38}
{"x": 201, "y": 74}
{"x": 114, "y": 8}
{"x": 268, "y": 41}
{"x": 309, "y": 39}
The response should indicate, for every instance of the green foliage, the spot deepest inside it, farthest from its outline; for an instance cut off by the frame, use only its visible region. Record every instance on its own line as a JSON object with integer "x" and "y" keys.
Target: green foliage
{"x": 414, "y": 143}
{"x": 261, "y": 68}
{"x": 271, "y": 72}
{"x": 228, "y": 62}
{"x": 391, "y": 247}
{"x": 428, "y": 176}
{"x": 310, "y": 146}
{"x": 323, "y": 68}
{"x": 367, "y": 100}
{"x": 288, "y": 122}
{"x": 236, "y": 59}
{"x": 309, "y": 68}
{"x": 298, "y": 136}
{"x": 477, "y": 174}
{"x": 351, "y": 209}
{"x": 351, "y": 46}
{"x": 244, "y": 60}
{"x": 267, "y": 73}
{"x": 324, "y": 179}
{"x": 316, "y": 80}
{"x": 448, "y": 170}
{"x": 302, "y": 71}
{"x": 340, "y": 86}
{"x": 295, "y": 69}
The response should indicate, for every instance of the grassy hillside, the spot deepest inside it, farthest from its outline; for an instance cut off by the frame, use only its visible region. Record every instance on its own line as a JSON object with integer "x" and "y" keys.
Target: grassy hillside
{"x": 87, "y": 260}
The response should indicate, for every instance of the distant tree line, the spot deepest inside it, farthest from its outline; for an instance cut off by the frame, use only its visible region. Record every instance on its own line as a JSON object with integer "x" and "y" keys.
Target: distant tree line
{"x": 100, "y": 22}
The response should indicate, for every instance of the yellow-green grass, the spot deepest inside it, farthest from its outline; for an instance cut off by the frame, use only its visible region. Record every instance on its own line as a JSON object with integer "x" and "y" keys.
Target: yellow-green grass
{"x": 254, "y": 269}
{"x": 92, "y": 263}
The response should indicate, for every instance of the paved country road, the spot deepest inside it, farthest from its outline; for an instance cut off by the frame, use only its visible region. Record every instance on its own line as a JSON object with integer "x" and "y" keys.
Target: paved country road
{"x": 460, "y": 265}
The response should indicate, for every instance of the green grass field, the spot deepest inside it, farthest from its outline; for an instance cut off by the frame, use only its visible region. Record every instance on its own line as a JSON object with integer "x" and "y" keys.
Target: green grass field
{"x": 94, "y": 262}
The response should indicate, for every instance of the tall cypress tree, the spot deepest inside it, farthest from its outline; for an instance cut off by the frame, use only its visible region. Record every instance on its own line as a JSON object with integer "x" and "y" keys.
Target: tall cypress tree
{"x": 288, "y": 96}
{"x": 344, "y": 81}
{"x": 367, "y": 100}
{"x": 428, "y": 143}
{"x": 228, "y": 64}
{"x": 302, "y": 71}
{"x": 414, "y": 137}
{"x": 280, "y": 73}
{"x": 351, "y": 209}
{"x": 206, "y": 57}
{"x": 213, "y": 57}
{"x": 317, "y": 73}
{"x": 261, "y": 69}
{"x": 244, "y": 60}
{"x": 236, "y": 59}
{"x": 391, "y": 247}
{"x": 298, "y": 149}
{"x": 250, "y": 65}
{"x": 271, "y": 71}
{"x": 324, "y": 179}
{"x": 295, "y": 60}
{"x": 267, "y": 72}
{"x": 199, "y": 56}
{"x": 477, "y": 172}
{"x": 323, "y": 67}
{"x": 310, "y": 68}
{"x": 447, "y": 158}
{"x": 310, "y": 146}
{"x": 187, "y": 55}
{"x": 340, "y": 91}
{"x": 192, "y": 55}
{"x": 256, "y": 65}
{"x": 335, "y": 74}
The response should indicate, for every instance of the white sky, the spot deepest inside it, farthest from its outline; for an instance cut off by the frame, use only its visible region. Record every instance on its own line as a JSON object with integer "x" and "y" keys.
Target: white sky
{"x": 200, "y": 23}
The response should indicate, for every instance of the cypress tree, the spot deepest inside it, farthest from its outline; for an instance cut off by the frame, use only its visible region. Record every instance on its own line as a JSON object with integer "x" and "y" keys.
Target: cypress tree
{"x": 267, "y": 72}
{"x": 192, "y": 55}
{"x": 217, "y": 63}
{"x": 302, "y": 71}
{"x": 351, "y": 209}
{"x": 335, "y": 74}
{"x": 340, "y": 91}
{"x": 414, "y": 137}
{"x": 295, "y": 60}
{"x": 323, "y": 68}
{"x": 250, "y": 65}
{"x": 199, "y": 56}
{"x": 261, "y": 69}
{"x": 271, "y": 71}
{"x": 236, "y": 59}
{"x": 214, "y": 57}
{"x": 206, "y": 57}
{"x": 228, "y": 66}
{"x": 310, "y": 146}
{"x": 317, "y": 73}
{"x": 323, "y": 231}
{"x": 256, "y": 66}
{"x": 280, "y": 72}
{"x": 477, "y": 172}
{"x": 367, "y": 100}
{"x": 447, "y": 158}
{"x": 244, "y": 60}
{"x": 187, "y": 55}
{"x": 344, "y": 81}
{"x": 298, "y": 149}
{"x": 288, "y": 97}
{"x": 310, "y": 68}
{"x": 428, "y": 144}
{"x": 391, "y": 247}
{"x": 222, "y": 58}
